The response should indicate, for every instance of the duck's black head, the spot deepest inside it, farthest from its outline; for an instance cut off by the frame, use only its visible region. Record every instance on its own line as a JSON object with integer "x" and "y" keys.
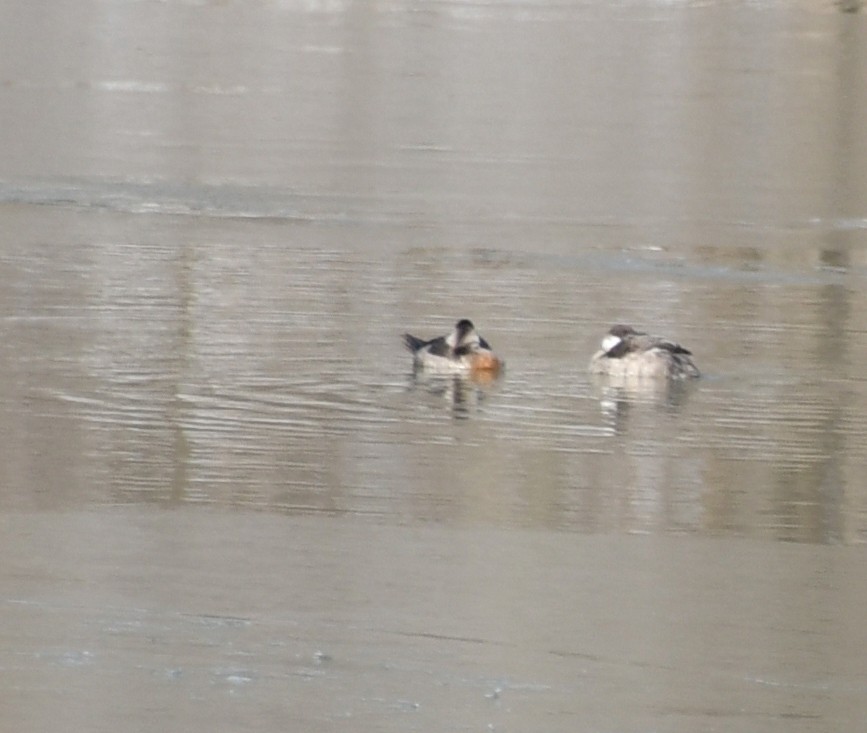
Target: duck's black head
{"x": 464, "y": 328}
{"x": 622, "y": 331}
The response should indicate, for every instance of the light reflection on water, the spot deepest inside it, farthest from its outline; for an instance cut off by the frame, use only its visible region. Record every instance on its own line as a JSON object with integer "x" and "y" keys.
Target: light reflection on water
{"x": 277, "y": 380}
{"x": 204, "y": 305}
{"x": 226, "y": 497}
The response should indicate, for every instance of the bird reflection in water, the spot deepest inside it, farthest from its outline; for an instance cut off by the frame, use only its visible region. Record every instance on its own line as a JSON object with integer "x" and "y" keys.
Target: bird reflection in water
{"x": 462, "y": 394}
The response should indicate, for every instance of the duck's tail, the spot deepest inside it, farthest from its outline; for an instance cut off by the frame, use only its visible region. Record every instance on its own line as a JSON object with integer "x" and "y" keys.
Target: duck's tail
{"x": 413, "y": 343}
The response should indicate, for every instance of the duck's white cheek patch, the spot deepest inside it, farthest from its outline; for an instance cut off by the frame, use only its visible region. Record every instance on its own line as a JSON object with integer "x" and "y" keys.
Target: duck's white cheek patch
{"x": 610, "y": 341}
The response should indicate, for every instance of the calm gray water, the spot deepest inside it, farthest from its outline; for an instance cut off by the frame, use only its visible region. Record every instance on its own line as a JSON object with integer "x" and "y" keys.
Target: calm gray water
{"x": 226, "y": 501}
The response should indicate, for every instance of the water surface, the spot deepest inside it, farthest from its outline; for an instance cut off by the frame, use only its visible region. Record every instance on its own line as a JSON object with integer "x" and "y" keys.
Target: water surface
{"x": 225, "y": 490}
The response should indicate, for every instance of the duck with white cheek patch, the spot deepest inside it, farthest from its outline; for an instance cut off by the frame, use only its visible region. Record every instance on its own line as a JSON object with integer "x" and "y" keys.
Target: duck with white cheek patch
{"x": 634, "y": 354}
{"x": 463, "y": 351}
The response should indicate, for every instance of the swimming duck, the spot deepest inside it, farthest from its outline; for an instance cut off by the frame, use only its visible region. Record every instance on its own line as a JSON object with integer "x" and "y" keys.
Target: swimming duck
{"x": 629, "y": 353}
{"x": 462, "y": 351}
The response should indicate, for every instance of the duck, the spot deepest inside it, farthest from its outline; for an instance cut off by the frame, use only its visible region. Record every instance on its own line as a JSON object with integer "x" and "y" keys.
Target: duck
{"x": 463, "y": 351}
{"x": 628, "y": 353}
